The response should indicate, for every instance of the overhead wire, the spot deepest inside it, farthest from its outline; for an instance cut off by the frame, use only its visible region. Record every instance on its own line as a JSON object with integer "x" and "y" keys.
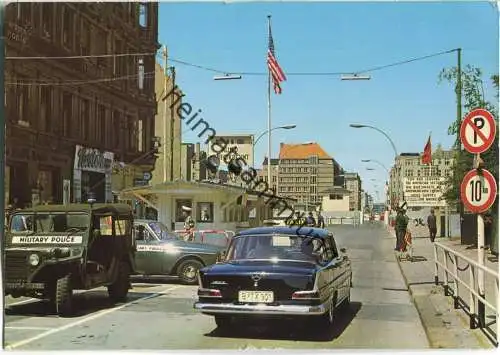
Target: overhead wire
{"x": 202, "y": 67}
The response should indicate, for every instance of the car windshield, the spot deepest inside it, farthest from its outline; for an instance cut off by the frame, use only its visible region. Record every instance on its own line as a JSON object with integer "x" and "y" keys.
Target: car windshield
{"x": 50, "y": 222}
{"x": 211, "y": 238}
{"x": 283, "y": 247}
{"x": 161, "y": 231}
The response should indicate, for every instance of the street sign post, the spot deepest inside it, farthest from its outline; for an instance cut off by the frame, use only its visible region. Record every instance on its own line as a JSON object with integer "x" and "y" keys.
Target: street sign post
{"x": 477, "y": 131}
{"x": 479, "y": 187}
{"x": 478, "y": 190}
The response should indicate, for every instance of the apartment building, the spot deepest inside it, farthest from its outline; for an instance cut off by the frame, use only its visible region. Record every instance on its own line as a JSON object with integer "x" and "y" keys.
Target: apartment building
{"x": 64, "y": 134}
{"x": 421, "y": 185}
{"x": 263, "y": 173}
{"x": 305, "y": 171}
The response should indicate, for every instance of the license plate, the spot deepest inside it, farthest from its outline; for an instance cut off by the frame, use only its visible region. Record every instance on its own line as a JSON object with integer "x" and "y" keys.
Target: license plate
{"x": 256, "y": 296}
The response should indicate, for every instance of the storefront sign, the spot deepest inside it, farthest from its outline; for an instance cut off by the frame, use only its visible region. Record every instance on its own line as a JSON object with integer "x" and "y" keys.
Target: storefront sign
{"x": 90, "y": 159}
{"x": 424, "y": 191}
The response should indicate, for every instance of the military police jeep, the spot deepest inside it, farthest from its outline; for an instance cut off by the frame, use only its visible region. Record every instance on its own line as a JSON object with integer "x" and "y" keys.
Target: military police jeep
{"x": 51, "y": 250}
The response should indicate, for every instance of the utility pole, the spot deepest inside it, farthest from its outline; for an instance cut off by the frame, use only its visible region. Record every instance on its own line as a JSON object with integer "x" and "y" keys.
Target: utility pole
{"x": 165, "y": 131}
{"x": 172, "y": 123}
{"x": 459, "y": 96}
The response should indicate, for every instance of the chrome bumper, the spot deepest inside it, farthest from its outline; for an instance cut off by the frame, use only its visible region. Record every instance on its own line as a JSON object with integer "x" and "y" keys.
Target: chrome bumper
{"x": 262, "y": 309}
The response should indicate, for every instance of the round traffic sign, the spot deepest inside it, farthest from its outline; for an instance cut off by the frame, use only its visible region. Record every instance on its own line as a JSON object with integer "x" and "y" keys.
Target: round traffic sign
{"x": 477, "y": 131}
{"x": 478, "y": 190}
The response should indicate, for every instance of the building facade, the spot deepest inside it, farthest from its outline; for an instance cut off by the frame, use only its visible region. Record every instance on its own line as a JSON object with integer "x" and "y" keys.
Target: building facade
{"x": 305, "y": 171}
{"x": 353, "y": 185}
{"x": 263, "y": 173}
{"x": 68, "y": 121}
{"x": 421, "y": 185}
{"x": 168, "y": 128}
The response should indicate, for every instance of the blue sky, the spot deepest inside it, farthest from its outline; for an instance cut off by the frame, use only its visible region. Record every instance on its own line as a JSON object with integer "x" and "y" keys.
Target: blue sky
{"x": 405, "y": 101}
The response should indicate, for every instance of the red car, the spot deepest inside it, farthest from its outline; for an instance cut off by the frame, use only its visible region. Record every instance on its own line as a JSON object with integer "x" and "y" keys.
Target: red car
{"x": 217, "y": 237}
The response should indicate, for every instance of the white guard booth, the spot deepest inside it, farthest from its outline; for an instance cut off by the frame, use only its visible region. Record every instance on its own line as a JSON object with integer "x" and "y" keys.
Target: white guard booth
{"x": 214, "y": 206}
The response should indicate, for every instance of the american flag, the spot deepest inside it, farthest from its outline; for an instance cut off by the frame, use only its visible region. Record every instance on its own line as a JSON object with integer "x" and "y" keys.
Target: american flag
{"x": 277, "y": 74}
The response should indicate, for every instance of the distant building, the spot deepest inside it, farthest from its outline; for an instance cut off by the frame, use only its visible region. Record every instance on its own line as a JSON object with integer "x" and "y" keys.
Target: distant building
{"x": 421, "y": 185}
{"x": 262, "y": 173}
{"x": 305, "y": 170}
{"x": 353, "y": 185}
{"x": 335, "y": 199}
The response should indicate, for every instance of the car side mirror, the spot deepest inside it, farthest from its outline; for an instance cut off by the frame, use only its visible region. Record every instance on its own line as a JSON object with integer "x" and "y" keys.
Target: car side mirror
{"x": 343, "y": 250}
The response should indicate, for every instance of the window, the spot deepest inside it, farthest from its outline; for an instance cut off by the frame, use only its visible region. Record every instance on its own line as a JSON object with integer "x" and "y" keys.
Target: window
{"x": 23, "y": 97}
{"x": 85, "y": 38}
{"x": 67, "y": 114}
{"x": 67, "y": 28}
{"x": 47, "y": 15}
{"x": 205, "y": 212}
{"x": 140, "y": 134}
{"x": 143, "y": 234}
{"x": 143, "y": 15}
{"x": 84, "y": 120}
{"x": 101, "y": 124}
{"x": 46, "y": 108}
{"x": 140, "y": 72}
{"x": 122, "y": 227}
{"x": 115, "y": 134}
{"x": 179, "y": 217}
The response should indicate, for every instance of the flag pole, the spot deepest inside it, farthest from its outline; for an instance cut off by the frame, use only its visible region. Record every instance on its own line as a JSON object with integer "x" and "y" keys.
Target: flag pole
{"x": 269, "y": 116}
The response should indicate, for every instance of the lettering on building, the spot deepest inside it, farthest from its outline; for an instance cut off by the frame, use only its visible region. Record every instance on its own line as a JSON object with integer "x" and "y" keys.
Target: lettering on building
{"x": 93, "y": 160}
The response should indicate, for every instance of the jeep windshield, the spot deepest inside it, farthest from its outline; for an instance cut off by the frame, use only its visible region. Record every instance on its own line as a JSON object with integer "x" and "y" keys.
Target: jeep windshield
{"x": 275, "y": 247}
{"x": 49, "y": 222}
{"x": 161, "y": 231}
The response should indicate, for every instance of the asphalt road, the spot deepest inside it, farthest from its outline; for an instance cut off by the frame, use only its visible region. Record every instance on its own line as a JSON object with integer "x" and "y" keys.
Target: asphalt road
{"x": 161, "y": 316}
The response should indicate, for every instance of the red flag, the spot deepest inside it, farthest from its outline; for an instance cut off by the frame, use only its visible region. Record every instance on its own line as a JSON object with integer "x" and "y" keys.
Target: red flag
{"x": 277, "y": 74}
{"x": 427, "y": 155}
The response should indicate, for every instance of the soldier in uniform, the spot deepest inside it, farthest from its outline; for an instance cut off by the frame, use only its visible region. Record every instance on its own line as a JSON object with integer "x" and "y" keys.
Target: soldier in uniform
{"x": 188, "y": 223}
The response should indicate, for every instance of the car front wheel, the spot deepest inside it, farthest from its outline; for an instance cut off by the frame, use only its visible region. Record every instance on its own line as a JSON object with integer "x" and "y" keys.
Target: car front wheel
{"x": 188, "y": 271}
{"x": 64, "y": 296}
{"x": 119, "y": 289}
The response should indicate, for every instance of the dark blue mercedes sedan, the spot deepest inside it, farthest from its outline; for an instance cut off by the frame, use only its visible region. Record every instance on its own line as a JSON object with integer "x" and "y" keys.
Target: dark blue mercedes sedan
{"x": 277, "y": 272}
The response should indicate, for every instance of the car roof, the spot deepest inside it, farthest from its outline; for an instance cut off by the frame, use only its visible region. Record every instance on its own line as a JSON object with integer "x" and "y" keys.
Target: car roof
{"x": 300, "y": 231}
{"x": 118, "y": 208}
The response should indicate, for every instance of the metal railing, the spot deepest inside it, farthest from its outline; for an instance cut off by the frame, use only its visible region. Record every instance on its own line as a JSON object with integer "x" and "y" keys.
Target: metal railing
{"x": 468, "y": 297}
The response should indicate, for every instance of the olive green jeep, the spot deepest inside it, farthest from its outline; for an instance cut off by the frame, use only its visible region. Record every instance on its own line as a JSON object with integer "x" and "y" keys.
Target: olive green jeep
{"x": 51, "y": 250}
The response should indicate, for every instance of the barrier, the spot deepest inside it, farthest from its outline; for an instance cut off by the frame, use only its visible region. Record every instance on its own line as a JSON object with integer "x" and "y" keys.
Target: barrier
{"x": 331, "y": 221}
{"x": 475, "y": 306}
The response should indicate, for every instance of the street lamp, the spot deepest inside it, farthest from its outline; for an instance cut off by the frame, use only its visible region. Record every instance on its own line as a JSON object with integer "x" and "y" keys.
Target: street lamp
{"x": 227, "y": 77}
{"x": 355, "y": 77}
{"x": 289, "y": 126}
{"x": 377, "y": 162}
{"x": 357, "y": 125}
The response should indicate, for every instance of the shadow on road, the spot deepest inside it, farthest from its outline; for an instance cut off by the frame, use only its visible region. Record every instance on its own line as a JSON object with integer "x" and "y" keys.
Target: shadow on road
{"x": 84, "y": 304}
{"x": 296, "y": 331}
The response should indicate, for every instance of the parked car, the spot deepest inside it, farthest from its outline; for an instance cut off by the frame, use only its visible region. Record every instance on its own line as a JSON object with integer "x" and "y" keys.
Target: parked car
{"x": 51, "y": 250}
{"x": 215, "y": 237}
{"x": 277, "y": 271}
{"x": 160, "y": 252}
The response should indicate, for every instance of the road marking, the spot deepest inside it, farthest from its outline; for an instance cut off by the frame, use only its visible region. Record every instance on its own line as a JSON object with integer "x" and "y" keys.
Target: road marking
{"x": 28, "y": 328}
{"x": 86, "y": 319}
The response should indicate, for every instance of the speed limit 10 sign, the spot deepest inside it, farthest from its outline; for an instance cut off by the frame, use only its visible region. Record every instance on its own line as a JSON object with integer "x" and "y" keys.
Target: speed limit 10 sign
{"x": 478, "y": 190}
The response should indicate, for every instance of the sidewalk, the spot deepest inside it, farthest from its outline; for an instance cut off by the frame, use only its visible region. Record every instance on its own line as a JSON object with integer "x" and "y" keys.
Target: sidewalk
{"x": 446, "y": 327}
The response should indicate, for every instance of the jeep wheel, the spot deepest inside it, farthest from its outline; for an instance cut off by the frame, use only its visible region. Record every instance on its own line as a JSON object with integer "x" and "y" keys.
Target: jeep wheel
{"x": 118, "y": 290}
{"x": 188, "y": 271}
{"x": 64, "y": 296}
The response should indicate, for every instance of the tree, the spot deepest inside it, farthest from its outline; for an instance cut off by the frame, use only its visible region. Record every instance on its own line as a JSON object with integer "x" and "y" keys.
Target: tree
{"x": 472, "y": 97}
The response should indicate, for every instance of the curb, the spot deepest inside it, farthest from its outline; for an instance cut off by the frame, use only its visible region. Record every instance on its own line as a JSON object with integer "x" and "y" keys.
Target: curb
{"x": 410, "y": 292}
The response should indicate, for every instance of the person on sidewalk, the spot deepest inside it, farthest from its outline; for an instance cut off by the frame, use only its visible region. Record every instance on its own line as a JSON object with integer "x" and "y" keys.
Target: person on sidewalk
{"x": 310, "y": 221}
{"x": 321, "y": 221}
{"x": 401, "y": 226}
{"x": 431, "y": 224}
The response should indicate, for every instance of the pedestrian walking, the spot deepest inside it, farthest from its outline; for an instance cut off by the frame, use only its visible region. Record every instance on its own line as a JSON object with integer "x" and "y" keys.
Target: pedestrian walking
{"x": 400, "y": 227}
{"x": 310, "y": 221}
{"x": 431, "y": 224}
{"x": 188, "y": 223}
{"x": 321, "y": 221}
